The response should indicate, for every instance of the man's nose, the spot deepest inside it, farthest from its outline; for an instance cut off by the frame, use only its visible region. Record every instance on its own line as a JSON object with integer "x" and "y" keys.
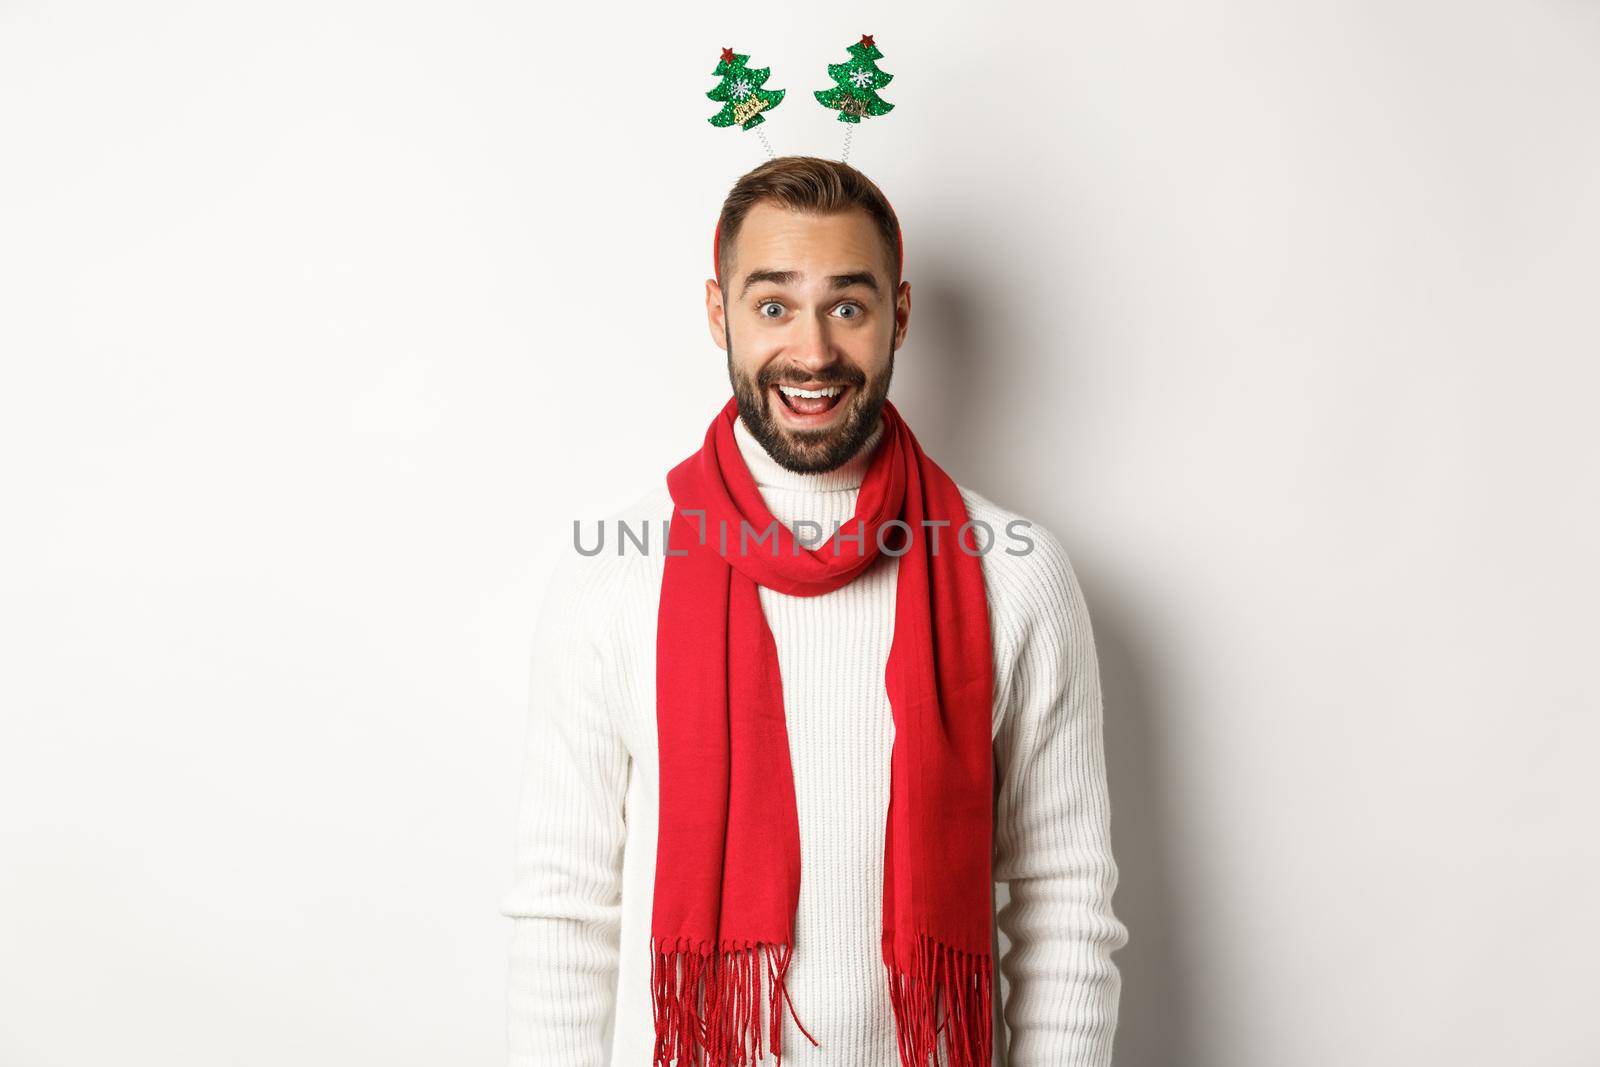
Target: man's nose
{"x": 812, "y": 349}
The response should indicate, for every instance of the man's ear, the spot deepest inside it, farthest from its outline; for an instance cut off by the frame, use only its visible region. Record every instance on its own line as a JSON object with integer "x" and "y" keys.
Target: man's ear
{"x": 902, "y": 313}
{"x": 716, "y": 314}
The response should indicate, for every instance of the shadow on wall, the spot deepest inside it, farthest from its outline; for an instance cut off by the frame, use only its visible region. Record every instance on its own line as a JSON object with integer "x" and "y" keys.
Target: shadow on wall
{"x": 1156, "y": 1024}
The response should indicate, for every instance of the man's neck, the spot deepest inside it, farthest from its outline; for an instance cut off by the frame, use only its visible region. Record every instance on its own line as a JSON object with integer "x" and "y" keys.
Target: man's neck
{"x": 770, "y": 474}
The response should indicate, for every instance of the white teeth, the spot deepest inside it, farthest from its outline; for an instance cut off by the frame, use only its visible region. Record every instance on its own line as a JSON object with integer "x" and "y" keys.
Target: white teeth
{"x": 809, "y": 394}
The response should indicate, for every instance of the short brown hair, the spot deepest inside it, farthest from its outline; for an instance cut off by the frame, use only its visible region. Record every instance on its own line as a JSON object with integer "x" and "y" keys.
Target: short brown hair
{"x": 810, "y": 184}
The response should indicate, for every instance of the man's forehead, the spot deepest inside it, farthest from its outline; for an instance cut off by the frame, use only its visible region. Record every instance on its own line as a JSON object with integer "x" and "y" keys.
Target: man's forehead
{"x": 772, "y": 238}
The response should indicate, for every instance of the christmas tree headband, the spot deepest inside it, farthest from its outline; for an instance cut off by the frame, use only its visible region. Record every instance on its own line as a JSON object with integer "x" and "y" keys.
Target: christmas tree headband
{"x": 854, "y": 96}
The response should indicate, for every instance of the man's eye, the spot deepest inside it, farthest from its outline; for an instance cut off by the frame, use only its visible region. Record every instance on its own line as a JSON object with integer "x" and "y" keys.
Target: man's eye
{"x": 851, "y": 309}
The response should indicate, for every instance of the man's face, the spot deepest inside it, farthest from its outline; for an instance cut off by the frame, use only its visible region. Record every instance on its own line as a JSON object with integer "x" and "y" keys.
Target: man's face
{"x": 809, "y": 308}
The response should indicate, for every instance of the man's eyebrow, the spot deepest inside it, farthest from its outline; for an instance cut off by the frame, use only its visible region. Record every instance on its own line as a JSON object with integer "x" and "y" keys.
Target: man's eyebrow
{"x": 860, "y": 277}
{"x": 786, "y": 277}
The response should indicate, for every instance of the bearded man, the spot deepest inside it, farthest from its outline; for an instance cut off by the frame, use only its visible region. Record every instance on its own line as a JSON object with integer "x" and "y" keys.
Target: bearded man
{"x": 777, "y": 762}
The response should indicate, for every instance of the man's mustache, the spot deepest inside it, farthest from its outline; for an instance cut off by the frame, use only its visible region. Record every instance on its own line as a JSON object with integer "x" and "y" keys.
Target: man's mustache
{"x": 764, "y": 380}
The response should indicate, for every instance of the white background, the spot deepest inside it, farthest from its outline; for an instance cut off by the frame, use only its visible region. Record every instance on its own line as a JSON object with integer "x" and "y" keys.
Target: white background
{"x": 321, "y": 322}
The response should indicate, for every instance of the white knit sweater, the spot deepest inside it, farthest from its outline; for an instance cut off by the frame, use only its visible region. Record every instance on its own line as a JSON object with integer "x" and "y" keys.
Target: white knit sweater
{"x": 579, "y": 988}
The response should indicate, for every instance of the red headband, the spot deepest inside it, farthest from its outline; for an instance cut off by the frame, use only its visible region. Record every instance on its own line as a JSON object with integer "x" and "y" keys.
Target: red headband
{"x": 899, "y": 248}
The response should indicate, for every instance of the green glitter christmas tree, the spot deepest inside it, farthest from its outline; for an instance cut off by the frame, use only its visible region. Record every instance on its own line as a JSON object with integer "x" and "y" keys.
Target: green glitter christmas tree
{"x": 740, "y": 93}
{"x": 856, "y": 84}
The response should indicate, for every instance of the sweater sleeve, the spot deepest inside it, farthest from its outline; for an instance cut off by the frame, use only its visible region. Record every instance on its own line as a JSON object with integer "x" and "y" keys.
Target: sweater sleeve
{"x": 1052, "y": 829}
{"x": 565, "y": 897}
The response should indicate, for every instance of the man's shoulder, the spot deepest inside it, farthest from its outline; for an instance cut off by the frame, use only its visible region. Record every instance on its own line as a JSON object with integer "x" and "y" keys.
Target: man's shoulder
{"x": 1017, "y": 545}
{"x": 644, "y": 504}
{"x": 599, "y": 560}
{"x": 1027, "y": 571}
{"x": 623, "y": 535}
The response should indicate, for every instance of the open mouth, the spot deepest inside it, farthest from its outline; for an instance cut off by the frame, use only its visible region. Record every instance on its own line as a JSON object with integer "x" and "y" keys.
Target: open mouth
{"x": 813, "y": 403}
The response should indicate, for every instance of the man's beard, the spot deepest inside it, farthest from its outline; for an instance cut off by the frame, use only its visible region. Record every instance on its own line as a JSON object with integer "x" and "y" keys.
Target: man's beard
{"x": 811, "y": 451}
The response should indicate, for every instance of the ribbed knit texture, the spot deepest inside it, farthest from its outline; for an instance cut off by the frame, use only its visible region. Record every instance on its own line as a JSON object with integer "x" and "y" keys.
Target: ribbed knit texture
{"x": 586, "y": 844}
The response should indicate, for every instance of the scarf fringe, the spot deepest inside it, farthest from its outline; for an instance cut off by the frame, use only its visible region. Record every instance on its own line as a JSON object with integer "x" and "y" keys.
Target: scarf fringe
{"x": 708, "y": 1004}
{"x": 963, "y": 981}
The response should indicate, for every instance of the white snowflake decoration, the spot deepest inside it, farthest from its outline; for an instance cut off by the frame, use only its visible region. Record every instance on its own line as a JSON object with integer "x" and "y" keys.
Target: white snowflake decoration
{"x": 741, "y": 89}
{"x": 861, "y": 78}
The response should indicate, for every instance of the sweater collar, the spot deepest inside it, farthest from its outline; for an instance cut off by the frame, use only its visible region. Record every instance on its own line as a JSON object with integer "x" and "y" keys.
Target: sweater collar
{"x": 770, "y": 474}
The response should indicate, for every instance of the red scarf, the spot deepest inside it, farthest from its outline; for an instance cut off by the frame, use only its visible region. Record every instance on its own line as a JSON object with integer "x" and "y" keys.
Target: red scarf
{"x": 727, "y": 877}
